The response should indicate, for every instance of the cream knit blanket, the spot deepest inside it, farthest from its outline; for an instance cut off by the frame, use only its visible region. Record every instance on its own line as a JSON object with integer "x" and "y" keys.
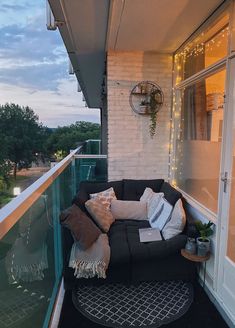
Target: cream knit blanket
{"x": 93, "y": 261}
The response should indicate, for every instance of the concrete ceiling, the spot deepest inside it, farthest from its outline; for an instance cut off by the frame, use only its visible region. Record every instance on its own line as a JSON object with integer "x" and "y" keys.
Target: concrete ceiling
{"x": 155, "y": 25}
{"x": 89, "y": 28}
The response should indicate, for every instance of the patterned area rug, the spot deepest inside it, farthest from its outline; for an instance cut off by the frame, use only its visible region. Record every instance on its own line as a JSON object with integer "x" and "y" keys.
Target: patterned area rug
{"x": 150, "y": 304}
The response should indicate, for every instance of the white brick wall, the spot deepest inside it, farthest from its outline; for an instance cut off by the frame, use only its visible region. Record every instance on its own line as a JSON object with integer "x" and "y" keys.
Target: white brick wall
{"x": 131, "y": 151}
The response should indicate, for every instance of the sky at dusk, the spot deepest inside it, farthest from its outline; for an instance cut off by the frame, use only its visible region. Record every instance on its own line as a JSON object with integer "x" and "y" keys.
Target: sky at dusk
{"x": 34, "y": 66}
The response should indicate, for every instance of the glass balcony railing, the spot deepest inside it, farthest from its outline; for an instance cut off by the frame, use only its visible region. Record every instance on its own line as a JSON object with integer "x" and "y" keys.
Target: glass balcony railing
{"x": 92, "y": 146}
{"x": 30, "y": 241}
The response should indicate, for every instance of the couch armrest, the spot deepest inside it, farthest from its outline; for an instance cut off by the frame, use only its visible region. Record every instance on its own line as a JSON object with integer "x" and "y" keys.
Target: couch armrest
{"x": 172, "y": 245}
{"x": 190, "y": 228}
{"x": 67, "y": 243}
{"x": 144, "y": 252}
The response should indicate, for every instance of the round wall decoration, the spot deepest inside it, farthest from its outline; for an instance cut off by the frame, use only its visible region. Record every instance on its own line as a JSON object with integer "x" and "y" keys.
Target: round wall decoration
{"x": 146, "y": 97}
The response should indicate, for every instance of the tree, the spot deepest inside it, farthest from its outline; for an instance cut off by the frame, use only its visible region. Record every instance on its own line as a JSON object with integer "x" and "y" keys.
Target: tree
{"x": 22, "y": 134}
{"x": 5, "y": 164}
{"x": 68, "y": 137}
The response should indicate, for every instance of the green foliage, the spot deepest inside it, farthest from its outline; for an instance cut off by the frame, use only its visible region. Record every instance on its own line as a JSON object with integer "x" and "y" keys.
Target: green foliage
{"x": 6, "y": 194}
{"x": 5, "y": 164}
{"x": 21, "y": 134}
{"x": 65, "y": 138}
{"x": 154, "y": 103}
{"x": 204, "y": 229}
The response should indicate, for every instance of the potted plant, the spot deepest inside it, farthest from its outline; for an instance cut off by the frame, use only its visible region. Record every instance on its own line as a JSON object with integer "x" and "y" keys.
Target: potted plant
{"x": 144, "y": 106}
{"x": 203, "y": 242}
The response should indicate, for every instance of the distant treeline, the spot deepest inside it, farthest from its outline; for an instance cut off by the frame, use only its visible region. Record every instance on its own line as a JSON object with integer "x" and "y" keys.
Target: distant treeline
{"x": 24, "y": 139}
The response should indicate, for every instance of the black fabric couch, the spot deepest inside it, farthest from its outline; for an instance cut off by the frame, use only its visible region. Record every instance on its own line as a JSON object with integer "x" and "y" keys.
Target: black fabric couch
{"x": 132, "y": 261}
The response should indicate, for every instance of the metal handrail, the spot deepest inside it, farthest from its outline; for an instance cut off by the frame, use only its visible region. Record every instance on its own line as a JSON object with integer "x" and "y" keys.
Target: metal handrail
{"x": 14, "y": 210}
{"x": 90, "y": 156}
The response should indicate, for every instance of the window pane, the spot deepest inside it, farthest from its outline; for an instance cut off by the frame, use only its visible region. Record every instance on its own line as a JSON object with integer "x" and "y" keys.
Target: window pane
{"x": 199, "y": 140}
{"x": 204, "y": 50}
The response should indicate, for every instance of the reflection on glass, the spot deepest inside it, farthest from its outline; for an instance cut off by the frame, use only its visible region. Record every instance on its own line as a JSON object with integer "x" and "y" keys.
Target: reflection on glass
{"x": 204, "y": 50}
{"x": 27, "y": 267}
{"x": 199, "y": 140}
{"x": 90, "y": 169}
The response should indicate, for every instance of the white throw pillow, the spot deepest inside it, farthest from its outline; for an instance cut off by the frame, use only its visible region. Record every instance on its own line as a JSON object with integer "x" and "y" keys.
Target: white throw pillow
{"x": 147, "y": 195}
{"x": 126, "y": 209}
{"x": 152, "y": 198}
{"x": 161, "y": 214}
{"x": 176, "y": 223}
{"x": 153, "y": 203}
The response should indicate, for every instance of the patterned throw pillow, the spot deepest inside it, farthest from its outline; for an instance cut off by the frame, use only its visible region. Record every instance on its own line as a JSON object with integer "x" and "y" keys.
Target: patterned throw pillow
{"x": 177, "y": 222}
{"x": 105, "y": 197}
{"x": 152, "y": 199}
{"x": 161, "y": 215}
{"x": 100, "y": 214}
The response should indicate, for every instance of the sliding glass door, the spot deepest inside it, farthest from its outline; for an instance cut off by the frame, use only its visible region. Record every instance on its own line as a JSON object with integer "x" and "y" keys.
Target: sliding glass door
{"x": 198, "y": 149}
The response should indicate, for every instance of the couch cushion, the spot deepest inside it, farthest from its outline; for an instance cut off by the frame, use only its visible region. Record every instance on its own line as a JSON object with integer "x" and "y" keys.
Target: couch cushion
{"x": 129, "y": 210}
{"x": 177, "y": 221}
{"x": 81, "y": 226}
{"x": 105, "y": 197}
{"x": 147, "y": 257}
{"x": 152, "y": 199}
{"x": 120, "y": 261}
{"x": 100, "y": 213}
{"x": 170, "y": 193}
{"x": 161, "y": 214}
{"x": 134, "y": 189}
{"x": 88, "y": 187}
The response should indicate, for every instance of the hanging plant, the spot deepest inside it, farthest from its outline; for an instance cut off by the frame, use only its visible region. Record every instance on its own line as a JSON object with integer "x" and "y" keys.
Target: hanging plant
{"x": 146, "y": 98}
{"x": 155, "y": 104}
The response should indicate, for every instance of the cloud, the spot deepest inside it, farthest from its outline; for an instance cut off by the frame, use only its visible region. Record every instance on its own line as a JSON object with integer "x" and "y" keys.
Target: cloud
{"x": 26, "y": 46}
{"x": 42, "y": 76}
{"x": 34, "y": 66}
{"x": 61, "y": 107}
{"x": 12, "y": 11}
{"x": 29, "y": 54}
{"x": 11, "y": 6}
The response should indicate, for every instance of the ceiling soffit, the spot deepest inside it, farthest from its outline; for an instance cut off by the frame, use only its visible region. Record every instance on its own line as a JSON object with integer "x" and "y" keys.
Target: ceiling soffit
{"x": 83, "y": 29}
{"x": 155, "y": 25}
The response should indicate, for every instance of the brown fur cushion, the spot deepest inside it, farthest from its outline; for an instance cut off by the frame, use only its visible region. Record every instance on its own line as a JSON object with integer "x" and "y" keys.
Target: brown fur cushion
{"x": 100, "y": 214}
{"x": 84, "y": 231}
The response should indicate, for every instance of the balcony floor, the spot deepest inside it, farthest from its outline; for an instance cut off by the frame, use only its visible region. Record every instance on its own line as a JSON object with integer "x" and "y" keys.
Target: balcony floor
{"x": 202, "y": 313}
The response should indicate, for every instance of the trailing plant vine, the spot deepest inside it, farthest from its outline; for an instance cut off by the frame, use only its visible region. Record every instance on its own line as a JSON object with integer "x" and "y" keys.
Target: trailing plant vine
{"x": 155, "y": 104}
{"x": 146, "y": 98}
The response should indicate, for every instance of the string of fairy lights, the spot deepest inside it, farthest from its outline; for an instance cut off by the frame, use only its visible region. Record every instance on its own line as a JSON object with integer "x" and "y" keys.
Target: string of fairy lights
{"x": 196, "y": 48}
{"x": 176, "y": 142}
{"x": 192, "y": 49}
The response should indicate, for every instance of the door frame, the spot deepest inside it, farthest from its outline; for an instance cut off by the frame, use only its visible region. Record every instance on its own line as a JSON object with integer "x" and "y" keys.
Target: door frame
{"x": 226, "y": 166}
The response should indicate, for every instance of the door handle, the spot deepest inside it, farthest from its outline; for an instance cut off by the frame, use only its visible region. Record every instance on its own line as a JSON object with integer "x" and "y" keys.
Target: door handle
{"x": 224, "y": 178}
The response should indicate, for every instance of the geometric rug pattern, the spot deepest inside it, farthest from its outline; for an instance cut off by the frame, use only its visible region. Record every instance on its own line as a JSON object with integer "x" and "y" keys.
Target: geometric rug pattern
{"x": 149, "y": 304}
{"x": 17, "y": 305}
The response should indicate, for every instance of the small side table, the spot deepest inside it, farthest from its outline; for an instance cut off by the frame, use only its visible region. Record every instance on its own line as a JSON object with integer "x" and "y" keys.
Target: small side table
{"x": 198, "y": 259}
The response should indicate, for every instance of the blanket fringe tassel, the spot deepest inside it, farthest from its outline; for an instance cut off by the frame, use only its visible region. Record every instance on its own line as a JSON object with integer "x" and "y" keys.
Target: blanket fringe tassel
{"x": 84, "y": 269}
